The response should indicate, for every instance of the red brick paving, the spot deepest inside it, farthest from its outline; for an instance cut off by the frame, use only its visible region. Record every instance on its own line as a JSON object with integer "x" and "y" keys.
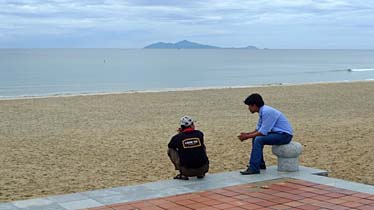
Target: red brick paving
{"x": 275, "y": 194}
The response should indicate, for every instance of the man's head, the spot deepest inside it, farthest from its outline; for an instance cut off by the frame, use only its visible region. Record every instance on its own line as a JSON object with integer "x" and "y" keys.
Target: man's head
{"x": 186, "y": 122}
{"x": 254, "y": 102}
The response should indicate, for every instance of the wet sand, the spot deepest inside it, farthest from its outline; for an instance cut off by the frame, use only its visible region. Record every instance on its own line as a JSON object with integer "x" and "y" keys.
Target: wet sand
{"x": 58, "y": 145}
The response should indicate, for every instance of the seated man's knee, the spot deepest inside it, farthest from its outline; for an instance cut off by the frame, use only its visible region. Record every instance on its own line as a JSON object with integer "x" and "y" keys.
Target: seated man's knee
{"x": 259, "y": 140}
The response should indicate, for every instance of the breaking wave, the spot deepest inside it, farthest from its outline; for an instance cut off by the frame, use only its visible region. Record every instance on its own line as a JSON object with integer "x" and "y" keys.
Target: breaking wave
{"x": 358, "y": 70}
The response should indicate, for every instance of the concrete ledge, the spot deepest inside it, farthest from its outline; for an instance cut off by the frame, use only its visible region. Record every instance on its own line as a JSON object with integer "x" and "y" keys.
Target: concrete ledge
{"x": 174, "y": 187}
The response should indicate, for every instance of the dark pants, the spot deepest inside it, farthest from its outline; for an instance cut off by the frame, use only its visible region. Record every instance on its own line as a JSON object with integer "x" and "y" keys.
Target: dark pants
{"x": 257, "y": 156}
{"x": 174, "y": 157}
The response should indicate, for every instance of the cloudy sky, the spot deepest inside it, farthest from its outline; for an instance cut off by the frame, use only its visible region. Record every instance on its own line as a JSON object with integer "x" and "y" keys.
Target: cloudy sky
{"x": 281, "y": 24}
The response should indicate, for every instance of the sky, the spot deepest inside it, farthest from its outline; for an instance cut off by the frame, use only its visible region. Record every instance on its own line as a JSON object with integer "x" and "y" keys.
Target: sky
{"x": 274, "y": 24}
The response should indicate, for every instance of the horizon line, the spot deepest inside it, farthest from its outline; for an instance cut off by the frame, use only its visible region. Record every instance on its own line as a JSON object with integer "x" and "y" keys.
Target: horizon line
{"x": 219, "y": 48}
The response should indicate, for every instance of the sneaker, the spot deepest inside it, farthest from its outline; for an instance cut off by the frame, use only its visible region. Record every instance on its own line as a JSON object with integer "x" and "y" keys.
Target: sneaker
{"x": 249, "y": 172}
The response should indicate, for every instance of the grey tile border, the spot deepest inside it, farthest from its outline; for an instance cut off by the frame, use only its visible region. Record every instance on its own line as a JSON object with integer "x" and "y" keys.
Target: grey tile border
{"x": 202, "y": 187}
{"x": 142, "y": 195}
{"x": 159, "y": 185}
{"x": 107, "y": 200}
{"x": 130, "y": 189}
{"x": 46, "y": 207}
{"x": 174, "y": 191}
{"x": 32, "y": 203}
{"x": 174, "y": 187}
{"x": 81, "y": 204}
{"x": 100, "y": 193}
{"x": 8, "y": 206}
{"x": 67, "y": 197}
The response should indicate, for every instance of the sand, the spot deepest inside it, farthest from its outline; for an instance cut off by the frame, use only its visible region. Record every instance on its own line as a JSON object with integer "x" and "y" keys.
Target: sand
{"x": 58, "y": 145}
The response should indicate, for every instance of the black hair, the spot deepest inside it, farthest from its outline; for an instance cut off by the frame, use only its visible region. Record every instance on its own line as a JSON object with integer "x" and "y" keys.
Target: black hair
{"x": 256, "y": 99}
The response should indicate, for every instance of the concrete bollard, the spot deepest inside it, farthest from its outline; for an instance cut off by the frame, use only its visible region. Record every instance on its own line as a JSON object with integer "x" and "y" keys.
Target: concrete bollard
{"x": 288, "y": 156}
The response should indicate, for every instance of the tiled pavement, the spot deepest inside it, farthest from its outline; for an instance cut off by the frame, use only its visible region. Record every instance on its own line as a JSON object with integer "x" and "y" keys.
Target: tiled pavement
{"x": 283, "y": 193}
{"x": 228, "y": 190}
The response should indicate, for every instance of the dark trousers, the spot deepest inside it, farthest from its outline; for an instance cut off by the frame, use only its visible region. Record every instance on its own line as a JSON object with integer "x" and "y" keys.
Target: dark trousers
{"x": 174, "y": 157}
{"x": 257, "y": 156}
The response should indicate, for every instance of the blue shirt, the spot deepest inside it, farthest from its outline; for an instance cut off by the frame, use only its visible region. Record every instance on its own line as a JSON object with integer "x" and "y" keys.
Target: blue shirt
{"x": 272, "y": 120}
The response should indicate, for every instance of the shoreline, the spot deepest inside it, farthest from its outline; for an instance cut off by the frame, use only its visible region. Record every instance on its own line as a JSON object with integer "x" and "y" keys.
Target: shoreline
{"x": 58, "y": 95}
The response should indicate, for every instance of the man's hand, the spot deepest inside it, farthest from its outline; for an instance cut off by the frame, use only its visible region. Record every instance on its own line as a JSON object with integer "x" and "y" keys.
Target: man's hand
{"x": 243, "y": 136}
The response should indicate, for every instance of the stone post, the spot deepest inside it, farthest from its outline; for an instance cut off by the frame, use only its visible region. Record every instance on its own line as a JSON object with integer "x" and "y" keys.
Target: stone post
{"x": 288, "y": 156}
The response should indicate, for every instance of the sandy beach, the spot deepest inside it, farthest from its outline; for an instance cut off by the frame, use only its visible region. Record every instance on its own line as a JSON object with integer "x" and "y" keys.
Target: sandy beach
{"x": 58, "y": 145}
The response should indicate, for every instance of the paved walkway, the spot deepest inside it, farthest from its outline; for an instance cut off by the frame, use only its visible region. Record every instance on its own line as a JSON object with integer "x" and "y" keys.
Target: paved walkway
{"x": 218, "y": 191}
{"x": 283, "y": 193}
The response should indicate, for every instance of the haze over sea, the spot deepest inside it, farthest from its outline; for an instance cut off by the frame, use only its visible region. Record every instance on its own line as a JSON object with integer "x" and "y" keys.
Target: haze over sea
{"x": 47, "y": 72}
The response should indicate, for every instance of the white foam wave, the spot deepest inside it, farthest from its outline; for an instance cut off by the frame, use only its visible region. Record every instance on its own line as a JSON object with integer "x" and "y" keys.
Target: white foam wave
{"x": 57, "y": 95}
{"x": 358, "y": 70}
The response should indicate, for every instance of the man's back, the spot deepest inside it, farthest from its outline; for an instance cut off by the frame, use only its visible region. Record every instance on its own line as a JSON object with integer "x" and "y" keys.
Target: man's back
{"x": 190, "y": 147}
{"x": 272, "y": 120}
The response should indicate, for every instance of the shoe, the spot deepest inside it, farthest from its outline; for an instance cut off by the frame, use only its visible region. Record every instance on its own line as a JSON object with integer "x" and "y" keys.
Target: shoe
{"x": 180, "y": 176}
{"x": 262, "y": 167}
{"x": 201, "y": 176}
{"x": 249, "y": 172}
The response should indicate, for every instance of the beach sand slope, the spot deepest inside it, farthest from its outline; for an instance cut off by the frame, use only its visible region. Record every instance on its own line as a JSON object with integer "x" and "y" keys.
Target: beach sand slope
{"x": 59, "y": 145}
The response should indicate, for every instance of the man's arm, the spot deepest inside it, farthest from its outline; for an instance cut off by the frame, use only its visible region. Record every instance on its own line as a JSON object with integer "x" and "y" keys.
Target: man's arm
{"x": 245, "y": 136}
{"x": 173, "y": 143}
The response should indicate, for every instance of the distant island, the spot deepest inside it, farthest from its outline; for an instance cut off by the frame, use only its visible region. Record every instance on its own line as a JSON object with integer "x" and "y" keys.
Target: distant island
{"x": 190, "y": 45}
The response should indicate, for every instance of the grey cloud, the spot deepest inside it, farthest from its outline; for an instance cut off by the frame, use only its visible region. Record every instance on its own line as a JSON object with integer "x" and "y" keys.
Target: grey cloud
{"x": 176, "y": 18}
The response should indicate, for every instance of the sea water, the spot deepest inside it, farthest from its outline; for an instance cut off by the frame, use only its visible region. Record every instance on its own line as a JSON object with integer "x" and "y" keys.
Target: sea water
{"x": 46, "y": 72}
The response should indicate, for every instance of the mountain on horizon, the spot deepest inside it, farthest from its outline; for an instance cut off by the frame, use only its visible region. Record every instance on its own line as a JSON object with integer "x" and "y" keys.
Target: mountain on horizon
{"x": 185, "y": 44}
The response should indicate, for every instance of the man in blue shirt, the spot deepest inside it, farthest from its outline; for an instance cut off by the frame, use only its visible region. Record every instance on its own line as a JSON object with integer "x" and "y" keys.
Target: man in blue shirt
{"x": 272, "y": 128}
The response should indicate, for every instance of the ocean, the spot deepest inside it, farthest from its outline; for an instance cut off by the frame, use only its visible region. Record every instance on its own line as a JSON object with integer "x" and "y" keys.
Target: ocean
{"x": 51, "y": 72}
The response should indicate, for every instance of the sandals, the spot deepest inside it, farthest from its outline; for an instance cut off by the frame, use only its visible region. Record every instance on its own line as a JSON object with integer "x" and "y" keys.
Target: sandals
{"x": 180, "y": 176}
